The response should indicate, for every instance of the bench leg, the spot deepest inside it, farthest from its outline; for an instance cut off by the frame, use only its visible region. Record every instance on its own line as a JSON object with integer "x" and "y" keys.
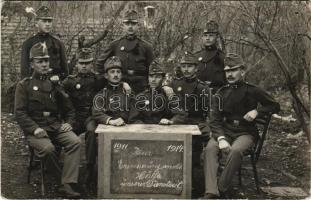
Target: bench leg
{"x": 42, "y": 177}
{"x": 255, "y": 174}
{"x": 240, "y": 176}
{"x": 30, "y": 165}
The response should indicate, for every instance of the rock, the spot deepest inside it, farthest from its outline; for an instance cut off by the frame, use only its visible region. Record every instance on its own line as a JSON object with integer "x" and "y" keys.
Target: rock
{"x": 285, "y": 191}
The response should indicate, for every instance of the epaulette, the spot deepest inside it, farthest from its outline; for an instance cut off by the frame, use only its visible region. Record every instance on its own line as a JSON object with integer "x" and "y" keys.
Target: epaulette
{"x": 54, "y": 36}
{"x": 250, "y": 84}
{"x": 72, "y": 76}
{"x": 148, "y": 43}
{"x": 27, "y": 79}
{"x": 197, "y": 51}
{"x": 222, "y": 87}
{"x": 202, "y": 82}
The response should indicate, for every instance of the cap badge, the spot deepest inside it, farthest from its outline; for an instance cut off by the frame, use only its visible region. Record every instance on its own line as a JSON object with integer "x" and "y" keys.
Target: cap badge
{"x": 122, "y": 48}
{"x": 200, "y": 59}
{"x": 78, "y": 86}
{"x": 179, "y": 89}
{"x": 35, "y": 88}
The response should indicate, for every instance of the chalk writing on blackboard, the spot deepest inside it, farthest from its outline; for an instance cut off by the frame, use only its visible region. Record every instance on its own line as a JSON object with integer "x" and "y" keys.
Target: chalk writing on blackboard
{"x": 146, "y": 167}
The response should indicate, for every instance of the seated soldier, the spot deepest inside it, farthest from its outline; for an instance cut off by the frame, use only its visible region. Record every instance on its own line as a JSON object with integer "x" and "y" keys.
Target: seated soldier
{"x": 46, "y": 117}
{"x": 152, "y": 106}
{"x": 109, "y": 105}
{"x": 81, "y": 89}
{"x": 194, "y": 96}
{"x": 232, "y": 126}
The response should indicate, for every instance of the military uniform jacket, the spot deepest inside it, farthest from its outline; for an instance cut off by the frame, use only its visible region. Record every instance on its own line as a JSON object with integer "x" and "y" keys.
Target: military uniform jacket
{"x": 191, "y": 93}
{"x": 39, "y": 104}
{"x": 110, "y": 103}
{"x": 81, "y": 89}
{"x": 211, "y": 66}
{"x": 237, "y": 100}
{"x": 142, "y": 110}
{"x": 136, "y": 56}
{"x": 56, "y": 51}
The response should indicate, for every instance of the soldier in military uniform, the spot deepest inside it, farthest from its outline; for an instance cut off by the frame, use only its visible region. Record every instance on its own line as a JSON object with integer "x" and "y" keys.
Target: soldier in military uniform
{"x": 152, "y": 106}
{"x": 211, "y": 58}
{"x": 195, "y": 96}
{"x": 110, "y": 105}
{"x": 135, "y": 54}
{"x": 81, "y": 88}
{"x": 56, "y": 49}
{"x": 233, "y": 128}
{"x": 46, "y": 117}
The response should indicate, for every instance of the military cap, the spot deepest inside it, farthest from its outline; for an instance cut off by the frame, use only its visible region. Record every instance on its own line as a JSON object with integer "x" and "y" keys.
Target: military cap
{"x": 39, "y": 51}
{"x": 113, "y": 62}
{"x": 43, "y": 13}
{"x": 211, "y": 27}
{"x": 155, "y": 68}
{"x": 85, "y": 55}
{"x": 188, "y": 58}
{"x": 233, "y": 61}
{"x": 131, "y": 16}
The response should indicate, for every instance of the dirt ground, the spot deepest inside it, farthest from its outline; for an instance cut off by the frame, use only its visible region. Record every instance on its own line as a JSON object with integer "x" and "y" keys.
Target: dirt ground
{"x": 284, "y": 161}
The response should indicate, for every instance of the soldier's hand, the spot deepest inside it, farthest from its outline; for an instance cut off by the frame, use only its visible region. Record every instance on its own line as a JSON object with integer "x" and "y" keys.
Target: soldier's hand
{"x": 127, "y": 88}
{"x": 40, "y": 133}
{"x": 65, "y": 127}
{"x": 251, "y": 115}
{"x": 165, "y": 122}
{"x": 117, "y": 122}
{"x": 224, "y": 145}
{"x": 168, "y": 91}
{"x": 54, "y": 78}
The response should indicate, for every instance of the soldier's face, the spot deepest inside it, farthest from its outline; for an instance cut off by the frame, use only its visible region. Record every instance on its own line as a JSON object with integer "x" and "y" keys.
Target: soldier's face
{"x": 114, "y": 75}
{"x": 209, "y": 39}
{"x": 155, "y": 80}
{"x": 41, "y": 65}
{"x": 44, "y": 25}
{"x": 84, "y": 67}
{"x": 234, "y": 75}
{"x": 130, "y": 28}
{"x": 188, "y": 70}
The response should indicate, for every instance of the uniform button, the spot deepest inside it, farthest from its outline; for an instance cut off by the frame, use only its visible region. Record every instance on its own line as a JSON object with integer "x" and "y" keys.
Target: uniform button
{"x": 35, "y": 88}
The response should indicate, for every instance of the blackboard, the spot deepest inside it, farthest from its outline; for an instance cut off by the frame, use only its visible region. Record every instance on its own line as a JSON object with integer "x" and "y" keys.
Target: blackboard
{"x": 146, "y": 167}
{"x": 145, "y": 161}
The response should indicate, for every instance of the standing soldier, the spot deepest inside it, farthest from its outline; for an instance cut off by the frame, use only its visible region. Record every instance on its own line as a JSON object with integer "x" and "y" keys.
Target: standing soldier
{"x": 210, "y": 58}
{"x": 233, "y": 129}
{"x": 46, "y": 117}
{"x": 56, "y": 49}
{"x": 135, "y": 54}
{"x": 81, "y": 88}
{"x": 110, "y": 106}
{"x": 156, "y": 107}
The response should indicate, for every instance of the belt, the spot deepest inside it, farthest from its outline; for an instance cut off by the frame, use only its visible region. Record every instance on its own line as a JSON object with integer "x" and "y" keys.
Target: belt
{"x": 137, "y": 72}
{"x": 45, "y": 114}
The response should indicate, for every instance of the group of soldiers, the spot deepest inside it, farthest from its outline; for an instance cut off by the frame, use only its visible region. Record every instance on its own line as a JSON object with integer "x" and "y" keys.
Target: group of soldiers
{"x": 53, "y": 108}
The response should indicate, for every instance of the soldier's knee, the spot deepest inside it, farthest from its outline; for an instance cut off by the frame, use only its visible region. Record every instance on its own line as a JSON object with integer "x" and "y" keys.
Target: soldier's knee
{"x": 212, "y": 146}
{"x": 48, "y": 149}
{"x": 235, "y": 151}
{"x": 91, "y": 126}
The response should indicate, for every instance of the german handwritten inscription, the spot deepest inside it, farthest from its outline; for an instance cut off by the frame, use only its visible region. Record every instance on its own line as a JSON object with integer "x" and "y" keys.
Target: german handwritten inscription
{"x": 146, "y": 167}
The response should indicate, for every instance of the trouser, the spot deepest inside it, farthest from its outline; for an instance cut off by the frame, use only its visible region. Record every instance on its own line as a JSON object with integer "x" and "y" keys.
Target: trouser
{"x": 233, "y": 163}
{"x": 91, "y": 144}
{"x": 44, "y": 148}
